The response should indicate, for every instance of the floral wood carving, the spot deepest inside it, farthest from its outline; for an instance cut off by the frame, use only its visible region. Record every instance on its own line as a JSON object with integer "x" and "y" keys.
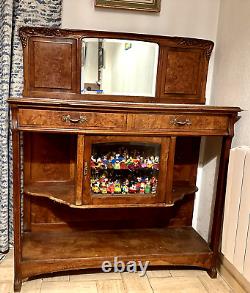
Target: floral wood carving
{"x": 206, "y": 45}
{"x": 26, "y": 32}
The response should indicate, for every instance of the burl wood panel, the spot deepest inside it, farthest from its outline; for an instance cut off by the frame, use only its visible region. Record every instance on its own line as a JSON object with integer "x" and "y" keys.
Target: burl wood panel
{"x": 182, "y": 123}
{"x": 182, "y": 72}
{"x": 183, "y": 75}
{"x": 52, "y": 65}
{"x": 49, "y": 157}
{"x": 56, "y": 119}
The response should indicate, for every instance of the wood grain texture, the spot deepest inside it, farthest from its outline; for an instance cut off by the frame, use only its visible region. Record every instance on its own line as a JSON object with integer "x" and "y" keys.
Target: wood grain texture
{"x": 52, "y": 66}
{"x": 66, "y": 227}
{"x": 45, "y": 164}
{"x": 79, "y": 170}
{"x": 63, "y": 193}
{"x": 184, "y": 122}
{"x": 17, "y": 209}
{"x": 182, "y": 73}
{"x": 87, "y": 249}
{"x": 49, "y": 53}
{"x": 74, "y": 101}
{"x": 197, "y": 121}
{"x": 219, "y": 204}
{"x": 49, "y": 158}
{"x": 48, "y": 215}
{"x": 56, "y": 119}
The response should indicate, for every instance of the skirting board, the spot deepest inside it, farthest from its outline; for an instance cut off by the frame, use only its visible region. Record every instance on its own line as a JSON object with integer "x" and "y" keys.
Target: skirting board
{"x": 235, "y": 280}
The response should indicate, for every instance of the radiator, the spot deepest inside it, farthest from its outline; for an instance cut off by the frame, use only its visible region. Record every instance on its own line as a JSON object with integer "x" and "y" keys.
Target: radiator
{"x": 236, "y": 225}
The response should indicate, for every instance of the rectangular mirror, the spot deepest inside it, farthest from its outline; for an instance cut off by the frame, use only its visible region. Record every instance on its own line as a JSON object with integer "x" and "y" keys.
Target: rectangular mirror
{"x": 119, "y": 67}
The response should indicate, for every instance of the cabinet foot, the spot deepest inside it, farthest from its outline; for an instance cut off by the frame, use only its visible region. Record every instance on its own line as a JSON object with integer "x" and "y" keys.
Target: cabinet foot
{"x": 212, "y": 273}
{"x": 17, "y": 285}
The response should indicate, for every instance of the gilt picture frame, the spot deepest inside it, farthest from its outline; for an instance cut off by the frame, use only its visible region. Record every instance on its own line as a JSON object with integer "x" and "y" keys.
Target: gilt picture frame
{"x": 141, "y": 5}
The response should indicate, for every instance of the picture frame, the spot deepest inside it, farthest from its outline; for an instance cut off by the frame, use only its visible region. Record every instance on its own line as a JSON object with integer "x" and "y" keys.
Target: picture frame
{"x": 140, "y": 5}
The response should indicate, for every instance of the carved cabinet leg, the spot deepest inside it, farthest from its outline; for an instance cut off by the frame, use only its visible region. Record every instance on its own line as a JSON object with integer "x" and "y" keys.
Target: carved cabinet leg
{"x": 212, "y": 272}
{"x": 17, "y": 284}
{"x": 17, "y": 210}
{"x": 219, "y": 204}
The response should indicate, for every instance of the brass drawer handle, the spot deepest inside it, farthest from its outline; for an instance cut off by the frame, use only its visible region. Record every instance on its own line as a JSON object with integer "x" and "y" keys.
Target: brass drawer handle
{"x": 177, "y": 122}
{"x": 81, "y": 119}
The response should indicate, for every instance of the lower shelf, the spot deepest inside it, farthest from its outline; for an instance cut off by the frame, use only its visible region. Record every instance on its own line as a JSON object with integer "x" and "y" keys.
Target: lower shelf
{"x": 57, "y": 251}
{"x": 63, "y": 192}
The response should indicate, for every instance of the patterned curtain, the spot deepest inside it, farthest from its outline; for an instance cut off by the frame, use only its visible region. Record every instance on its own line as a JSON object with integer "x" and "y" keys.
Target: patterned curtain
{"x": 14, "y": 14}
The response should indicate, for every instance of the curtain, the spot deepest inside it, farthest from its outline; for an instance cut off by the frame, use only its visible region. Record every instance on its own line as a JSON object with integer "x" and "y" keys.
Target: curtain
{"x": 14, "y": 14}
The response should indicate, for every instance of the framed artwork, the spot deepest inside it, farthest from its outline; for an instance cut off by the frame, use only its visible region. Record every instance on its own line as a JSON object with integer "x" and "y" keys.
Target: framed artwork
{"x": 145, "y": 5}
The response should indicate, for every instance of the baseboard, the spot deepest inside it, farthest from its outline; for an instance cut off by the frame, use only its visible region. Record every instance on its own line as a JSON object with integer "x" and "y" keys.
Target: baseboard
{"x": 235, "y": 280}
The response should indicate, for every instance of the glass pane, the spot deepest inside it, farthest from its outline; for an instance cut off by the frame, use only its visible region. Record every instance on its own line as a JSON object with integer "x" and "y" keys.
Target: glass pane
{"x": 124, "y": 168}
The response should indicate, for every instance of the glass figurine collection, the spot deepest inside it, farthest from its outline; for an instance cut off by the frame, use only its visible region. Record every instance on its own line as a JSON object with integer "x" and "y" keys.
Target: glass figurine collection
{"x": 124, "y": 171}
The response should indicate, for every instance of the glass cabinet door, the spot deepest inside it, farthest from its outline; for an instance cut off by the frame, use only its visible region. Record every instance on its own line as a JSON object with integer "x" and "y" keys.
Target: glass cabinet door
{"x": 124, "y": 169}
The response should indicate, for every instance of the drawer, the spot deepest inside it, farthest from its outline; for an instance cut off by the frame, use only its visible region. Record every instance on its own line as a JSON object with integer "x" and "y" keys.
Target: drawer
{"x": 182, "y": 123}
{"x": 71, "y": 119}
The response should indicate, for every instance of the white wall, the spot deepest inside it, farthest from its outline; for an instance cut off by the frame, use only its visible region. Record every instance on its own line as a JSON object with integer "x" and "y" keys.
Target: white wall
{"x": 192, "y": 18}
{"x": 231, "y": 80}
{"x": 232, "y": 67}
{"x": 231, "y": 87}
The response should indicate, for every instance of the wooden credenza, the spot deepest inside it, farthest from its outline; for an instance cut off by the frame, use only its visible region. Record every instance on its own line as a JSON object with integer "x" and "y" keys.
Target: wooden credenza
{"x": 69, "y": 221}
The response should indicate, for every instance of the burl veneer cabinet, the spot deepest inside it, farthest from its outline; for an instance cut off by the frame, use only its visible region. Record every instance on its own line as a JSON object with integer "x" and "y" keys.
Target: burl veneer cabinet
{"x": 110, "y": 127}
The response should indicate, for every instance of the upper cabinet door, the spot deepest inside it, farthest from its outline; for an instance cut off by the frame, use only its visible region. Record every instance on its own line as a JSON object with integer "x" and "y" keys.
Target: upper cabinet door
{"x": 182, "y": 75}
{"x": 51, "y": 65}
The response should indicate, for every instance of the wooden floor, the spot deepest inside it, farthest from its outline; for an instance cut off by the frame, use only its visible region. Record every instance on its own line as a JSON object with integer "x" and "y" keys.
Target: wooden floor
{"x": 164, "y": 281}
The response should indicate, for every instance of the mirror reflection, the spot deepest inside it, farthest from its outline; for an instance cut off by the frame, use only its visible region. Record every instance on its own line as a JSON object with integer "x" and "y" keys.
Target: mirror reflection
{"x": 119, "y": 67}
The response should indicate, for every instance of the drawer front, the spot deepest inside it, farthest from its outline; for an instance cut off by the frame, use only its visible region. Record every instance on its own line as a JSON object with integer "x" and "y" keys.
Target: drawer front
{"x": 71, "y": 119}
{"x": 182, "y": 123}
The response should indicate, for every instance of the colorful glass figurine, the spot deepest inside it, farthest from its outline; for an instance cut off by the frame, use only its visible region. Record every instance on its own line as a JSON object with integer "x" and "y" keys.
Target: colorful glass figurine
{"x": 117, "y": 187}
{"x": 111, "y": 188}
{"x": 123, "y": 165}
{"x": 132, "y": 188}
{"x": 142, "y": 187}
{"x": 147, "y": 188}
{"x": 117, "y": 165}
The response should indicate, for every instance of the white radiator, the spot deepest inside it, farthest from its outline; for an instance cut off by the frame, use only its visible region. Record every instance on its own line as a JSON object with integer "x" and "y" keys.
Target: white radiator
{"x": 236, "y": 226}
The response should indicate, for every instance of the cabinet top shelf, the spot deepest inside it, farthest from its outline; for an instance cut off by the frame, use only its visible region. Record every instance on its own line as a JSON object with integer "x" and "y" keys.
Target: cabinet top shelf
{"x": 72, "y": 101}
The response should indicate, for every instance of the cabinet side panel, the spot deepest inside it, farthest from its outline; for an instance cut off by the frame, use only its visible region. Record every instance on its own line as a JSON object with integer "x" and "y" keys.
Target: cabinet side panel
{"x": 186, "y": 159}
{"x": 50, "y": 158}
